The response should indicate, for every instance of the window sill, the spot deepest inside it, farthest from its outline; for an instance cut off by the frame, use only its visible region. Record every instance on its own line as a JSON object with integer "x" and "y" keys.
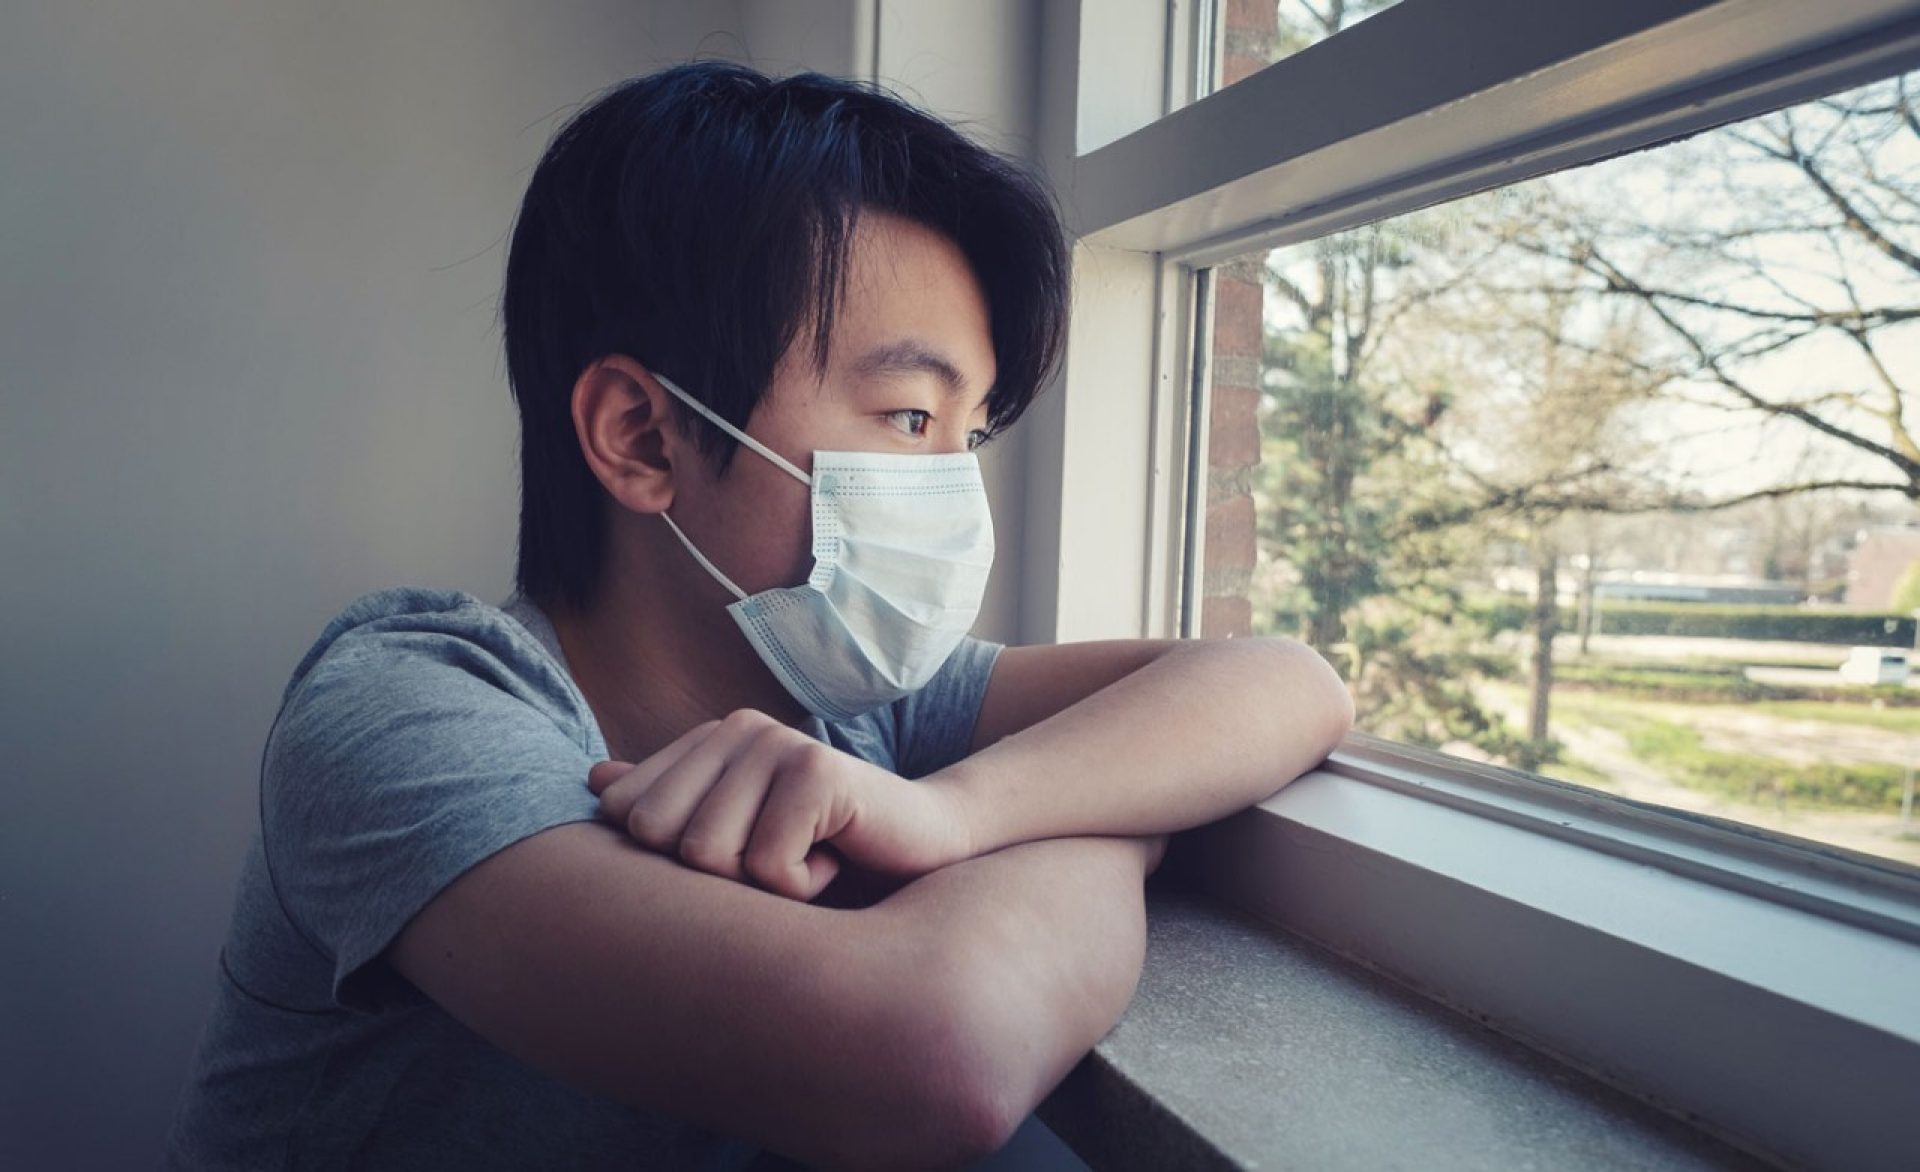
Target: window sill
{"x": 1750, "y": 986}
{"x": 1247, "y": 1047}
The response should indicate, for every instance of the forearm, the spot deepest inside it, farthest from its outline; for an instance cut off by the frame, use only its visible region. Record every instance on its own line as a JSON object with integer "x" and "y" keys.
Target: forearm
{"x": 1054, "y": 933}
{"x": 1207, "y": 729}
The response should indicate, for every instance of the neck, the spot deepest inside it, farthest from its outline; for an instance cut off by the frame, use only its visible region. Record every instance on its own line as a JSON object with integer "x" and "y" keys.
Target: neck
{"x": 655, "y": 652}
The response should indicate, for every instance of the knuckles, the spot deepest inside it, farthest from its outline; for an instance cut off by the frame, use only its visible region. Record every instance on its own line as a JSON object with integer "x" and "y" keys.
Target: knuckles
{"x": 769, "y": 872}
{"x": 761, "y": 868}
{"x": 747, "y": 721}
{"x": 710, "y": 856}
{"x": 644, "y": 827}
{"x": 806, "y": 761}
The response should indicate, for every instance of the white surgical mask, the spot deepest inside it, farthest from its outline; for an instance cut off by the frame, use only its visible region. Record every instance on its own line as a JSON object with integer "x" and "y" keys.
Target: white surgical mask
{"x": 901, "y": 549}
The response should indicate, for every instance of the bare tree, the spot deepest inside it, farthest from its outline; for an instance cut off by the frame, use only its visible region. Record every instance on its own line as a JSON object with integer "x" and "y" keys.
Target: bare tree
{"x": 1781, "y": 263}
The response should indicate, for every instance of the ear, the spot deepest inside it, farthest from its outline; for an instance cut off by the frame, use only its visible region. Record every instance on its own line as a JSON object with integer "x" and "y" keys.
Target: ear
{"x": 625, "y": 425}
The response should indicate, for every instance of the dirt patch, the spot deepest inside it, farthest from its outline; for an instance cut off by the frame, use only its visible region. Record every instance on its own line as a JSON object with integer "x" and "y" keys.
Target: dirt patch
{"x": 1605, "y": 751}
{"x": 1732, "y": 729}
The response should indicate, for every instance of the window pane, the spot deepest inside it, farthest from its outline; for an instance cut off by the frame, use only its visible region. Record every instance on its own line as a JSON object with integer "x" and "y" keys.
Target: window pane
{"x": 1609, "y": 475}
{"x": 1250, "y": 35}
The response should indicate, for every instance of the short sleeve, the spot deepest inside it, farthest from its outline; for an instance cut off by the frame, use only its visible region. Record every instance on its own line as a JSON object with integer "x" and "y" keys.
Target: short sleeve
{"x": 402, "y": 759}
{"x": 934, "y": 726}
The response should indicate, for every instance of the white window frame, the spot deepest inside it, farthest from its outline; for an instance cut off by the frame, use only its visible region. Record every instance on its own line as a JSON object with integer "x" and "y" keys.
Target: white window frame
{"x": 1750, "y": 982}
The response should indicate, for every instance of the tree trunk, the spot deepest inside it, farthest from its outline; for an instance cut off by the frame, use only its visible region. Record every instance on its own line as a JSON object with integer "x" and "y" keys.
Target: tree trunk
{"x": 1545, "y": 625}
{"x": 1326, "y": 630}
{"x": 1589, "y": 599}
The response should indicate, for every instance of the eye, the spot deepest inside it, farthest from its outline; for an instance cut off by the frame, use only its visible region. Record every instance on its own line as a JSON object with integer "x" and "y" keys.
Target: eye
{"x": 977, "y": 437}
{"x": 915, "y": 421}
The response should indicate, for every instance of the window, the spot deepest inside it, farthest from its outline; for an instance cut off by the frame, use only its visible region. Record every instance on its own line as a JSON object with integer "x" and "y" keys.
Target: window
{"x": 1609, "y": 475}
{"x": 1630, "y": 939}
{"x": 1246, "y": 37}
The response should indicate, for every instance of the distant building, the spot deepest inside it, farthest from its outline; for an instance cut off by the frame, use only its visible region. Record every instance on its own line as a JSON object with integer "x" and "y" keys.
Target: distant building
{"x": 1875, "y": 566}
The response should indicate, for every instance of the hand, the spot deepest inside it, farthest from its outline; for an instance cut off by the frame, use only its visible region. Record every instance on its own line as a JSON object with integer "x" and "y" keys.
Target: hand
{"x": 749, "y": 798}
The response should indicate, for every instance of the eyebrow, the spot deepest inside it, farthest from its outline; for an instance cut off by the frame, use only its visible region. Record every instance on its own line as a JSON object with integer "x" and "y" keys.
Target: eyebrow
{"x": 911, "y": 356}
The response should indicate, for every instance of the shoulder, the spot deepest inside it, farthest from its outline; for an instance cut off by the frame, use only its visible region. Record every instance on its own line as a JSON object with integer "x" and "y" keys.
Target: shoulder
{"x": 423, "y": 731}
{"x": 411, "y": 631}
{"x": 411, "y": 678}
{"x": 411, "y": 646}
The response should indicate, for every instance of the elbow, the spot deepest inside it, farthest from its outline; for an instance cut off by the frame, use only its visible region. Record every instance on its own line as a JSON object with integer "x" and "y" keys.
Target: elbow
{"x": 984, "y": 1121}
{"x": 1016, "y": 1020}
{"x": 1008, "y": 1034}
{"x": 1322, "y": 692}
{"x": 977, "y": 1091}
{"x": 1342, "y": 716}
{"x": 941, "y": 1074}
{"x": 945, "y": 1111}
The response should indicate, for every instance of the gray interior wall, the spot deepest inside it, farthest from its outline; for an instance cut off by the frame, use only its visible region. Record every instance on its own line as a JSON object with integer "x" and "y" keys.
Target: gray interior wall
{"x": 250, "y": 257}
{"x": 976, "y": 63}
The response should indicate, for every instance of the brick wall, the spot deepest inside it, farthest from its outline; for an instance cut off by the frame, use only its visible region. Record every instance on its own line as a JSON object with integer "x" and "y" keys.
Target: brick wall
{"x": 1233, "y": 436}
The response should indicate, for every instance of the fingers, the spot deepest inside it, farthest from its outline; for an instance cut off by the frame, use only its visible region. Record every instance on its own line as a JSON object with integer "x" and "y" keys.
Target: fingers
{"x": 745, "y": 798}
{"x": 660, "y": 812}
{"x": 655, "y": 764}
{"x": 803, "y": 809}
{"x": 618, "y": 795}
{"x": 605, "y": 774}
{"x": 822, "y": 866}
{"x": 714, "y": 838}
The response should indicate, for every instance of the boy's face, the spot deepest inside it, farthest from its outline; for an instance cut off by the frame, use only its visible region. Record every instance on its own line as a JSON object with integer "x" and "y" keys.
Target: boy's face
{"x": 908, "y": 370}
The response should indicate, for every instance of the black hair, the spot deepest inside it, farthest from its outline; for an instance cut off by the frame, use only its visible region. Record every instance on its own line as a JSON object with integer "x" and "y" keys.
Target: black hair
{"x": 697, "y": 219}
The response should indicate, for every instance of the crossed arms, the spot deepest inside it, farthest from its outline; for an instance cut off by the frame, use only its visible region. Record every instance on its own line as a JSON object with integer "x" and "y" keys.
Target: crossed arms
{"x": 920, "y": 1031}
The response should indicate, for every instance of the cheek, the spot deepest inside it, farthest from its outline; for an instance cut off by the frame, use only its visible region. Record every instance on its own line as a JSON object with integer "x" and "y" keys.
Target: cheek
{"x": 769, "y": 536}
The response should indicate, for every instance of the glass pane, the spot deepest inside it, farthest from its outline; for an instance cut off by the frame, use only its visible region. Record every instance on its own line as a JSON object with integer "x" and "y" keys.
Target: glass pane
{"x": 1610, "y": 475}
{"x": 1250, "y": 35}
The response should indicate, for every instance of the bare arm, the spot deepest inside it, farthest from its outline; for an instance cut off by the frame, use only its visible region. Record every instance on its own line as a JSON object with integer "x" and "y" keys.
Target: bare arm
{"x": 1060, "y": 925}
{"x": 955, "y": 1003}
{"x": 1138, "y": 736}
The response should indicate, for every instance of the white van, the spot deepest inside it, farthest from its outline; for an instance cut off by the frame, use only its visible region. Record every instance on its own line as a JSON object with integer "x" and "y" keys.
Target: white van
{"x": 1875, "y": 665}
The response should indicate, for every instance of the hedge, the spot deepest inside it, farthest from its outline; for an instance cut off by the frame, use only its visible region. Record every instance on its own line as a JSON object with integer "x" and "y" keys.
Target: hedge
{"x": 1787, "y": 624}
{"x": 1683, "y": 683}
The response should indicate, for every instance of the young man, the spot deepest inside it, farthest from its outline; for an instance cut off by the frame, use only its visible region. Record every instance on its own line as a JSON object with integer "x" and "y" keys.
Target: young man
{"x": 540, "y": 885}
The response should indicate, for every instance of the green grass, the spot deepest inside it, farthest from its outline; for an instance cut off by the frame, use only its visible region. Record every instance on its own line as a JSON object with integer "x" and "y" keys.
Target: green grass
{"x": 1901, "y": 720}
{"x": 1657, "y": 682}
{"x": 1678, "y": 751}
{"x": 1703, "y": 682}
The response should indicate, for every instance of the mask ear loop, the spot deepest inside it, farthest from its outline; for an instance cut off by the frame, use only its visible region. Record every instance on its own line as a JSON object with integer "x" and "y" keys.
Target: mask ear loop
{"x": 710, "y": 568}
{"x": 776, "y": 458}
{"x": 713, "y": 418}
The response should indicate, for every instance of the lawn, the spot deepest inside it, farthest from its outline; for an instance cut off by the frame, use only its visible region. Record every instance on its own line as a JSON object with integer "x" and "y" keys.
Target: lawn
{"x": 1678, "y": 751}
{"x": 1903, "y": 720}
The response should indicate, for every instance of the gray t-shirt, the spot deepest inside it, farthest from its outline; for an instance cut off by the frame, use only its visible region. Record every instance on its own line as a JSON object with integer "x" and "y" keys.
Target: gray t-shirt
{"x": 424, "y": 731}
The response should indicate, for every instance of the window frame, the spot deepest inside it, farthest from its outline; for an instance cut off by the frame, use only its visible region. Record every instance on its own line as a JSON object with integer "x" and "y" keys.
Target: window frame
{"x": 1387, "y": 844}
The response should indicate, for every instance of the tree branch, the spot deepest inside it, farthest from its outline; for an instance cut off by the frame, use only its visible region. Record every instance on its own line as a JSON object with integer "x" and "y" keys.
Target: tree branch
{"x": 1783, "y": 490}
{"x": 1849, "y": 214}
{"x": 1711, "y": 363}
{"x": 1292, "y": 293}
{"x": 1616, "y": 282}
